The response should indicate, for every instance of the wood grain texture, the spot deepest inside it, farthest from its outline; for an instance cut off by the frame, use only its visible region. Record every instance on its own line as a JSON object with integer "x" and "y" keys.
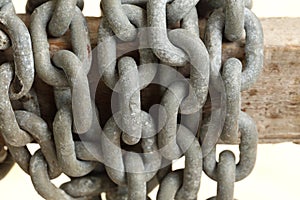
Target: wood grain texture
{"x": 273, "y": 102}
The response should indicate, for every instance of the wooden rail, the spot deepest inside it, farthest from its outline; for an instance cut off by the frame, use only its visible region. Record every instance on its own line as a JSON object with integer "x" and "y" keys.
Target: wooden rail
{"x": 273, "y": 102}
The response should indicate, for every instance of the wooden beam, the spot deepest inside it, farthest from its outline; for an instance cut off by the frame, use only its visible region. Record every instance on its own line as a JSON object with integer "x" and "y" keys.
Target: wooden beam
{"x": 273, "y": 102}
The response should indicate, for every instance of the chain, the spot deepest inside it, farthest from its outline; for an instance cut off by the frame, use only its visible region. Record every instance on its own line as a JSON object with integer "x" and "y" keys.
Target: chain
{"x": 134, "y": 151}
{"x": 235, "y": 80}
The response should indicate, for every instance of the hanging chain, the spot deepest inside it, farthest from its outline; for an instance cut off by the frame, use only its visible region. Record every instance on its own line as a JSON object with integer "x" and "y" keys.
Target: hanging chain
{"x": 134, "y": 151}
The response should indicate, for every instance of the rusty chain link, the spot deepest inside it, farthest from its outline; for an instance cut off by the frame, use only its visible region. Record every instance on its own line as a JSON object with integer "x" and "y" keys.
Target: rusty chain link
{"x": 134, "y": 151}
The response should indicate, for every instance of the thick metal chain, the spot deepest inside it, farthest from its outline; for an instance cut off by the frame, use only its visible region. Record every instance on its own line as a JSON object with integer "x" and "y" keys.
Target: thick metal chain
{"x": 134, "y": 152}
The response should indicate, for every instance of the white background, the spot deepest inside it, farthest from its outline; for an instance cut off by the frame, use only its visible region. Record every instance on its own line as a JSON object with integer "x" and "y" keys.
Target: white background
{"x": 277, "y": 172}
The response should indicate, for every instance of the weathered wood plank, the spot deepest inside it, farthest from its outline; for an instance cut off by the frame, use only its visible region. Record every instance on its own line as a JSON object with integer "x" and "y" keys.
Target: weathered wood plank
{"x": 274, "y": 101}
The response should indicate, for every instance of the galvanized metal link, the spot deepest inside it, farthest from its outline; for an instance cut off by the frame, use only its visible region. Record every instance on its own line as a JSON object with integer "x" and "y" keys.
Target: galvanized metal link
{"x": 170, "y": 185}
{"x": 93, "y": 185}
{"x": 21, "y": 156}
{"x": 151, "y": 156}
{"x": 178, "y": 9}
{"x": 80, "y": 43}
{"x": 193, "y": 164}
{"x": 112, "y": 151}
{"x": 254, "y": 50}
{"x": 7, "y": 6}
{"x": 137, "y": 188}
{"x": 248, "y": 150}
{"x": 167, "y": 136}
{"x": 41, "y": 180}
{"x": 9, "y": 127}
{"x": 226, "y": 176}
{"x": 77, "y": 79}
{"x": 158, "y": 39}
{"x": 130, "y": 103}
{"x": 106, "y": 54}
{"x": 22, "y": 50}
{"x": 75, "y": 68}
{"x": 44, "y": 68}
{"x": 253, "y": 46}
{"x": 117, "y": 20}
{"x": 184, "y": 185}
{"x": 190, "y": 22}
{"x": 39, "y": 130}
{"x": 128, "y": 78}
{"x": 148, "y": 62}
{"x": 62, "y": 17}
{"x": 234, "y": 19}
{"x": 232, "y": 70}
{"x": 199, "y": 72}
{"x": 106, "y": 49}
{"x": 62, "y": 131}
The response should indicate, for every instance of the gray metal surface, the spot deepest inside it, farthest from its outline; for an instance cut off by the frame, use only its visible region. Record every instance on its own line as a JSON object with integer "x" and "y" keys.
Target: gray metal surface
{"x": 134, "y": 151}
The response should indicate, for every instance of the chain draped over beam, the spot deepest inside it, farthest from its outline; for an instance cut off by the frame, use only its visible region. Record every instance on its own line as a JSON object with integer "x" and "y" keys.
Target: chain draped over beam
{"x": 278, "y": 121}
{"x": 111, "y": 102}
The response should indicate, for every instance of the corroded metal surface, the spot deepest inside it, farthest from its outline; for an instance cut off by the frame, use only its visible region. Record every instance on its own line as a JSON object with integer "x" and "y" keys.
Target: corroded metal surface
{"x": 134, "y": 151}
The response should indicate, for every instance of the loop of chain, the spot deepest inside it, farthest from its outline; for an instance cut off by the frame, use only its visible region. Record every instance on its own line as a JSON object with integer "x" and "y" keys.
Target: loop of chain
{"x": 39, "y": 130}
{"x": 10, "y": 129}
{"x": 231, "y": 18}
{"x": 117, "y": 19}
{"x": 187, "y": 181}
{"x": 159, "y": 41}
{"x": 75, "y": 66}
{"x": 199, "y": 72}
{"x": 253, "y": 46}
{"x": 112, "y": 154}
{"x": 41, "y": 180}
{"x": 62, "y": 132}
{"x": 226, "y": 176}
{"x": 248, "y": 149}
{"x": 134, "y": 151}
{"x": 130, "y": 102}
{"x": 20, "y": 41}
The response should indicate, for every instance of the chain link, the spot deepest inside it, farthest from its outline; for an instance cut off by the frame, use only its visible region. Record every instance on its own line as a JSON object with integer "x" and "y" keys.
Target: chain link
{"x": 232, "y": 70}
{"x": 184, "y": 184}
{"x": 134, "y": 152}
{"x": 22, "y": 52}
